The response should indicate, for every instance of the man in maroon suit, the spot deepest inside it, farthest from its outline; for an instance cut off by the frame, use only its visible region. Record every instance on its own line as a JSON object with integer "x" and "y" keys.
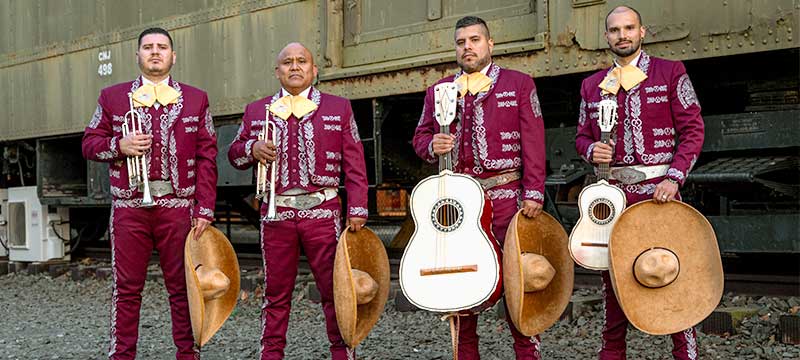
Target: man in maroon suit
{"x": 498, "y": 108}
{"x": 179, "y": 148}
{"x": 660, "y": 131}
{"x": 317, "y": 142}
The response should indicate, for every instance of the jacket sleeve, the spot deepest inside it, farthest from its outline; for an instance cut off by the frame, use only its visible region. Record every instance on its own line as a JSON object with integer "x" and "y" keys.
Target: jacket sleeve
{"x": 99, "y": 142}
{"x": 426, "y": 127}
{"x": 584, "y": 137}
{"x": 689, "y": 126}
{"x": 206, "y": 159}
{"x": 240, "y": 153}
{"x": 533, "y": 146}
{"x": 354, "y": 167}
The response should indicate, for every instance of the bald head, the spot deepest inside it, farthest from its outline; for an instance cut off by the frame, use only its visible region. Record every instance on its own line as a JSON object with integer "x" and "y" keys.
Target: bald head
{"x": 621, "y": 10}
{"x": 295, "y": 68}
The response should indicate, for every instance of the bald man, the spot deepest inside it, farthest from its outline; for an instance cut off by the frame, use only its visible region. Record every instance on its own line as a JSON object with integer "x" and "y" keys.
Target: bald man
{"x": 317, "y": 142}
{"x": 659, "y": 133}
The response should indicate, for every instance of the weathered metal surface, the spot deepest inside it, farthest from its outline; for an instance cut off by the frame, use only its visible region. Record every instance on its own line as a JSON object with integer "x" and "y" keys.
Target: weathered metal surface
{"x": 759, "y": 130}
{"x": 55, "y": 55}
{"x": 775, "y": 233}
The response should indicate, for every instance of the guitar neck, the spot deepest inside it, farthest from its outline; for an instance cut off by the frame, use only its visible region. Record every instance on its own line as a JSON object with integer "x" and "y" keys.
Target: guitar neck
{"x": 445, "y": 160}
{"x": 603, "y": 171}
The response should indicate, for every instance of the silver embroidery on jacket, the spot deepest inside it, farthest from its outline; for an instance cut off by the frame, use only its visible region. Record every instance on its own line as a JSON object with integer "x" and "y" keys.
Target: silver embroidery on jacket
{"x": 497, "y": 194}
{"x": 210, "y": 123}
{"x": 533, "y": 195}
{"x": 686, "y": 93}
{"x": 672, "y": 172}
{"x": 358, "y": 211}
{"x": 165, "y": 203}
{"x": 354, "y": 129}
{"x": 537, "y": 109}
{"x": 167, "y": 119}
{"x": 98, "y": 114}
{"x": 582, "y": 113}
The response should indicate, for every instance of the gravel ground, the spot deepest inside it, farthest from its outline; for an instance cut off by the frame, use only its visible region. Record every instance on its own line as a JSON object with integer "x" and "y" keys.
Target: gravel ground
{"x": 46, "y": 318}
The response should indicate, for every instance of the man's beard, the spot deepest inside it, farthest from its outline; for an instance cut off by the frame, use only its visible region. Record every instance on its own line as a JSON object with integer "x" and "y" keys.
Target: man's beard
{"x": 478, "y": 66}
{"x": 629, "y": 51}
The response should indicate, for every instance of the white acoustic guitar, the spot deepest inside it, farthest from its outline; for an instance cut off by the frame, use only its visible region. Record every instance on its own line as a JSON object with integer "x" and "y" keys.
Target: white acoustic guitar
{"x": 600, "y": 205}
{"x": 452, "y": 260}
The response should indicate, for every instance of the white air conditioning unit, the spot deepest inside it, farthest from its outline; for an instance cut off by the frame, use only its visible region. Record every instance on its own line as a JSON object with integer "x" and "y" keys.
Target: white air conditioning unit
{"x": 32, "y": 227}
{"x": 3, "y": 222}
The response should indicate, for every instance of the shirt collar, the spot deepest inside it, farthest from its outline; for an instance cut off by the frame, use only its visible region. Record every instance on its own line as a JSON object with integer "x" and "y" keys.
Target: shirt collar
{"x": 148, "y": 82}
{"x": 303, "y": 93}
{"x": 486, "y": 68}
{"x": 633, "y": 62}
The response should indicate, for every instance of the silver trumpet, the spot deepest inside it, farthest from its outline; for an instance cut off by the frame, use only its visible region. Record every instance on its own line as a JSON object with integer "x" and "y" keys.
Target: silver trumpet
{"x": 137, "y": 165}
{"x": 261, "y": 172}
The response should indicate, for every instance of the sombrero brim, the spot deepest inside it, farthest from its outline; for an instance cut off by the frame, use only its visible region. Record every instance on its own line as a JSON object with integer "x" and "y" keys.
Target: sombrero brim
{"x": 214, "y": 250}
{"x": 696, "y": 291}
{"x": 364, "y": 251}
{"x": 534, "y": 312}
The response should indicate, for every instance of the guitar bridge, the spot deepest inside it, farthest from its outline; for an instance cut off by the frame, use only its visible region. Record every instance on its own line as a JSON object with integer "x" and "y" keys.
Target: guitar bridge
{"x": 605, "y": 245}
{"x": 448, "y": 270}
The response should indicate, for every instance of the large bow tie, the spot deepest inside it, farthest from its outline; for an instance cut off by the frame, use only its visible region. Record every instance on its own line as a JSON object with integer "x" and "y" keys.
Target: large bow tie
{"x": 298, "y": 105}
{"x": 473, "y": 83}
{"x": 627, "y": 76}
{"x": 148, "y": 94}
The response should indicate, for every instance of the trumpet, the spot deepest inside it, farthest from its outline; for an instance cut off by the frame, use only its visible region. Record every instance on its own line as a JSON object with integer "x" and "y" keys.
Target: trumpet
{"x": 261, "y": 172}
{"x": 137, "y": 165}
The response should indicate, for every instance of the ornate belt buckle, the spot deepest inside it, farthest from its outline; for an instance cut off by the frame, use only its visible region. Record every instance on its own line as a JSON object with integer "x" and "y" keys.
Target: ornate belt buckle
{"x": 308, "y": 201}
{"x": 628, "y": 175}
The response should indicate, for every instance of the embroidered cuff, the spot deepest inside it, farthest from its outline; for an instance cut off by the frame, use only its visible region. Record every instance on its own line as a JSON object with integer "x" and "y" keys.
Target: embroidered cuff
{"x": 676, "y": 175}
{"x": 358, "y": 211}
{"x": 206, "y": 213}
{"x": 431, "y": 156}
{"x": 588, "y": 155}
{"x": 112, "y": 152}
{"x": 534, "y": 195}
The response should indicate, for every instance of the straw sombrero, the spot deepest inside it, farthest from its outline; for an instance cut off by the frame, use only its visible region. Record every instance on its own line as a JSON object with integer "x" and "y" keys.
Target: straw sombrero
{"x": 212, "y": 282}
{"x": 665, "y": 266}
{"x": 360, "y": 283}
{"x": 538, "y": 272}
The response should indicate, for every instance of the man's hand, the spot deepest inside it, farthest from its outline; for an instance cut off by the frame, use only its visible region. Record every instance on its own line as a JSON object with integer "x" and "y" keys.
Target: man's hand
{"x": 265, "y": 151}
{"x": 135, "y": 145}
{"x": 356, "y": 223}
{"x": 665, "y": 191}
{"x": 603, "y": 153}
{"x": 199, "y": 226}
{"x": 531, "y": 208}
{"x": 442, "y": 143}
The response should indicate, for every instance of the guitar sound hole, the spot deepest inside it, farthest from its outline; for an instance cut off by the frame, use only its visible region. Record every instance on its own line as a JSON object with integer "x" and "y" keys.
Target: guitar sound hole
{"x": 447, "y": 215}
{"x": 601, "y": 211}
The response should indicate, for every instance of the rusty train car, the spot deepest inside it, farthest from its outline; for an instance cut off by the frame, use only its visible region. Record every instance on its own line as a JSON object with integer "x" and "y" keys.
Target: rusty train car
{"x": 743, "y": 57}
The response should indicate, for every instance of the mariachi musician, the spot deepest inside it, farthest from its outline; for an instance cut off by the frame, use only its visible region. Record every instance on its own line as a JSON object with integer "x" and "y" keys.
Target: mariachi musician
{"x": 158, "y": 136}
{"x": 497, "y": 109}
{"x": 317, "y": 141}
{"x": 659, "y": 136}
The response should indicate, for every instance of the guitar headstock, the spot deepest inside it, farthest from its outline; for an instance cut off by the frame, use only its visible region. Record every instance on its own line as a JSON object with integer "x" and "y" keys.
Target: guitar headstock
{"x": 607, "y": 115}
{"x": 444, "y": 97}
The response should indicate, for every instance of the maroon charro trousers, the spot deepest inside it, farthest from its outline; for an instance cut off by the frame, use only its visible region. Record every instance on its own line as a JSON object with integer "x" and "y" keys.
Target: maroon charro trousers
{"x": 684, "y": 344}
{"x": 135, "y": 232}
{"x": 525, "y": 347}
{"x": 317, "y": 232}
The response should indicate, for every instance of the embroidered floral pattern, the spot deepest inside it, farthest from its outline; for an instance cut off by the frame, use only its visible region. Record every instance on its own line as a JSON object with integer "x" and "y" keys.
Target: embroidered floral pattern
{"x": 332, "y": 127}
{"x": 511, "y": 147}
{"x": 667, "y": 131}
{"x": 317, "y": 213}
{"x": 206, "y": 212}
{"x": 509, "y": 135}
{"x": 210, "y": 124}
{"x": 582, "y": 113}
{"x": 358, "y": 211}
{"x": 354, "y": 129}
{"x": 640, "y": 189}
{"x": 168, "y": 118}
{"x": 534, "y": 195}
{"x": 655, "y": 88}
{"x": 657, "y": 99}
{"x": 98, "y": 114}
{"x": 669, "y": 143}
{"x": 280, "y": 216}
{"x": 588, "y": 155}
{"x": 191, "y": 129}
{"x": 165, "y": 203}
{"x": 190, "y": 119}
{"x": 330, "y": 155}
{"x": 691, "y": 343}
{"x": 121, "y": 193}
{"x": 111, "y": 152}
{"x": 537, "y": 109}
{"x": 675, "y": 173}
{"x": 686, "y": 94}
{"x": 497, "y": 194}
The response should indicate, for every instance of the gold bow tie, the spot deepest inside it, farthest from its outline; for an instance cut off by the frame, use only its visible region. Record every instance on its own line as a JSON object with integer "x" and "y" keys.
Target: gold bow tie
{"x": 474, "y": 83}
{"x": 289, "y": 104}
{"x": 148, "y": 94}
{"x": 627, "y": 76}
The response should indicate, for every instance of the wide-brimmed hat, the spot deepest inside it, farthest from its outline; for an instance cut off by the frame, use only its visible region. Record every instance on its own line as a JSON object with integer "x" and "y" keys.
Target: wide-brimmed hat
{"x": 360, "y": 283}
{"x": 665, "y": 266}
{"x": 538, "y": 272}
{"x": 212, "y": 281}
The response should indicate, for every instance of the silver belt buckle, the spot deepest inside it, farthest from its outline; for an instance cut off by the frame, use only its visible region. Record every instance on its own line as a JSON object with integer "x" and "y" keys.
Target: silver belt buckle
{"x": 158, "y": 188}
{"x": 628, "y": 175}
{"x": 307, "y": 201}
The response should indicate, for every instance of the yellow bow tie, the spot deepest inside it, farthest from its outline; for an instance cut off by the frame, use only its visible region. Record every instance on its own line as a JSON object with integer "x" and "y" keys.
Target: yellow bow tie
{"x": 148, "y": 94}
{"x": 474, "y": 83}
{"x": 289, "y": 104}
{"x": 627, "y": 76}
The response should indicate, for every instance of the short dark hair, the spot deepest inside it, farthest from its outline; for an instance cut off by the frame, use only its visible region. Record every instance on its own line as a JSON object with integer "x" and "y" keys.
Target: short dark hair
{"x": 155, "y": 30}
{"x": 472, "y": 20}
{"x": 638, "y": 16}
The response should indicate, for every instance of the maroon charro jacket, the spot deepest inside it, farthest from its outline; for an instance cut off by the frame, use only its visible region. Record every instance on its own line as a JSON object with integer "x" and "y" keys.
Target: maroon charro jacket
{"x": 496, "y": 131}
{"x": 184, "y": 147}
{"x": 313, "y": 152}
{"x": 658, "y": 121}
